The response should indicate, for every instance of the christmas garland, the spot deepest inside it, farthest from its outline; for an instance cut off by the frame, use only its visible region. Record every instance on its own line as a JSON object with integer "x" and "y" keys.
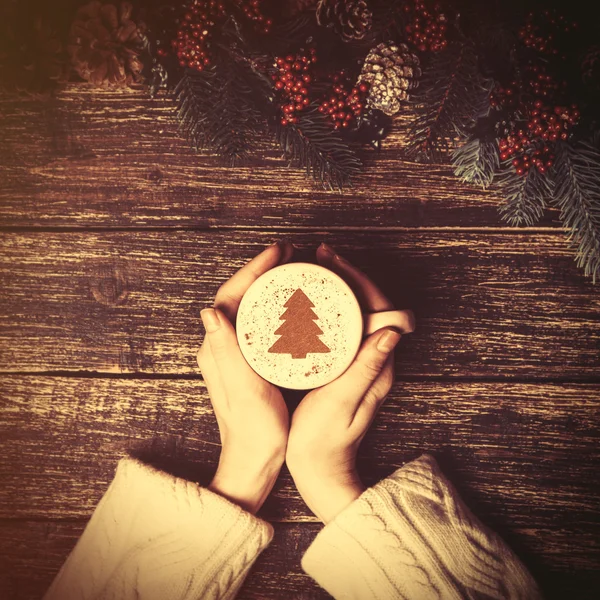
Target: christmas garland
{"x": 509, "y": 97}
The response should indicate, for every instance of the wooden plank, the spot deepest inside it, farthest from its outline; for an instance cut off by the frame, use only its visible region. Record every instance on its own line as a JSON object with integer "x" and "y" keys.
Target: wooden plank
{"x": 31, "y": 554}
{"x": 487, "y": 304}
{"x": 525, "y": 457}
{"x": 99, "y": 158}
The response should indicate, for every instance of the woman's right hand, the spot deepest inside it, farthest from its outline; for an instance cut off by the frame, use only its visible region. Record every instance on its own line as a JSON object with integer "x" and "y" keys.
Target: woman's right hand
{"x": 251, "y": 413}
{"x": 331, "y": 421}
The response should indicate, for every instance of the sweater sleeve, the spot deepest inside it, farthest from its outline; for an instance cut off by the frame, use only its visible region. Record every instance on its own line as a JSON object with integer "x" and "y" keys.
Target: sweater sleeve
{"x": 411, "y": 537}
{"x": 155, "y": 536}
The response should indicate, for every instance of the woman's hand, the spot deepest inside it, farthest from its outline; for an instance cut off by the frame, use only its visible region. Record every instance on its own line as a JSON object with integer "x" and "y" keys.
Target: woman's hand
{"x": 252, "y": 416}
{"x": 331, "y": 421}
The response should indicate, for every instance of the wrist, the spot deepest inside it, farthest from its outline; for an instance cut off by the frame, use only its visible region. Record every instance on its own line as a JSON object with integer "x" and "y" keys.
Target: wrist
{"x": 327, "y": 495}
{"x": 246, "y": 483}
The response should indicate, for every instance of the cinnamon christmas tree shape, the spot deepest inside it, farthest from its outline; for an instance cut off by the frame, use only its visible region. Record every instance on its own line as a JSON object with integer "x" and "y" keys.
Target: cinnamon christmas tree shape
{"x": 299, "y": 334}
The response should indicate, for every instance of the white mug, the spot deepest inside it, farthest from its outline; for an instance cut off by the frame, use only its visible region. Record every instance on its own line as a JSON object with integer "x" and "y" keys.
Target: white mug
{"x": 300, "y": 326}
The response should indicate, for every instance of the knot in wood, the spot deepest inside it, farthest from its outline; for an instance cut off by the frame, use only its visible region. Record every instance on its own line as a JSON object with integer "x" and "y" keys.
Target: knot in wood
{"x": 109, "y": 284}
{"x": 155, "y": 176}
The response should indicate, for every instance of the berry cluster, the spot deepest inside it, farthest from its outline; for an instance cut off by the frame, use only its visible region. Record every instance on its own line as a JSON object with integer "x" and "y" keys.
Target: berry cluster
{"x": 346, "y": 103}
{"x": 541, "y": 84}
{"x": 532, "y": 145}
{"x": 552, "y": 124}
{"x": 540, "y": 31}
{"x": 193, "y": 36}
{"x": 515, "y": 143}
{"x": 192, "y": 40}
{"x": 541, "y": 158}
{"x": 534, "y": 119}
{"x": 292, "y": 82}
{"x": 519, "y": 145}
{"x": 251, "y": 8}
{"x": 427, "y": 26}
{"x": 505, "y": 97}
{"x": 536, "y": 83}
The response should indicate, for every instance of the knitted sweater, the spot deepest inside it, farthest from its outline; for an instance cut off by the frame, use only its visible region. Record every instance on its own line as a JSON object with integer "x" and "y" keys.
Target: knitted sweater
{"x": 154, "y": 536}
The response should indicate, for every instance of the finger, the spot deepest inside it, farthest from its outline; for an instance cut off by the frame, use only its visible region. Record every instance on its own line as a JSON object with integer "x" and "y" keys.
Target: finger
{"x": 230, "y": 363}
{"x": 375, "y": 396}
{"x": 352, "y": 385}
{"x": 371, "y": 298}
{"x": 211, "y": 377}
{"x": 230, "y": 294}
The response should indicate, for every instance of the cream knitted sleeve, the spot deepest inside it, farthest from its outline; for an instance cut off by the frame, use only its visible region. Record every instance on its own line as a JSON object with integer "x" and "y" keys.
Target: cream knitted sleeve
{"x": 154, "y": 536}
{"x": 412, "y": 537}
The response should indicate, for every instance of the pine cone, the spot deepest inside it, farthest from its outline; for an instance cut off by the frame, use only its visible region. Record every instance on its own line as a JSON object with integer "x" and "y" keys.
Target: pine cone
{"x": 105, "y": 44}
{"x": 391, "y": 71}
{"x": 351, "y": 19}
{"x": 31, "y": 54}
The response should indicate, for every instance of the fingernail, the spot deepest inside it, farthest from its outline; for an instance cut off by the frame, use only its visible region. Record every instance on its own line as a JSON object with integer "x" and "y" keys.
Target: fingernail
{"x": 341, "y": 259}
{"x": 210, "y": 319}
{"x": 388, "y": 340}
{"x": 328, "y": 250}
{"x": 284, "y": 244}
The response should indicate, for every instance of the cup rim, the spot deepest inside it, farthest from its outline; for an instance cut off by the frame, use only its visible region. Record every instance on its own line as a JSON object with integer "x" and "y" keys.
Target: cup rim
{"x": 356, "y": 306}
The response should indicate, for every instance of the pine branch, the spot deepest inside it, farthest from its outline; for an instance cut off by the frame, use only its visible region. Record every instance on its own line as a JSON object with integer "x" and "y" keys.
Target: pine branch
{"x": 311, "y": 144}
{"x": 219, "y": 109}
{"x": 450, "y": 98}
{"x": 525, "y": 195}
{"x": 578, "y": 197}
{"x": 476, "y": 161}
{"x": 160, "y": 18}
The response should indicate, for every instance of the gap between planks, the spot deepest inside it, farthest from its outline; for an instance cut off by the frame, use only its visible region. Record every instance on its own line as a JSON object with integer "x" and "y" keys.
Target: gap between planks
{"x": 285, "y": 228}
{"x": 399, "y": 378}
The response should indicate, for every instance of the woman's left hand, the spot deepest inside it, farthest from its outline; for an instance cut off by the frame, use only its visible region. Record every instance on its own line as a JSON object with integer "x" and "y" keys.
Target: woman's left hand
{"x": 331, "y": 421}
{"x": 251, "y": 413}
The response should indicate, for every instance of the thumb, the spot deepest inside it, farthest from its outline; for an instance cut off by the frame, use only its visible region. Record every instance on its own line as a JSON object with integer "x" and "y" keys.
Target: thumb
{"x": 367, "y": 365}
{"x": 223, "y": 343}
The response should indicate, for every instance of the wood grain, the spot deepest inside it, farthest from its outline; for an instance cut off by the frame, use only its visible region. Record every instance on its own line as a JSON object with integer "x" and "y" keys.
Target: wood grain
{"x": 94, "y": 158}
{"x": 31, "y": 553}
{"x": 524, "y": 457}
{"x": 493, "y": 305}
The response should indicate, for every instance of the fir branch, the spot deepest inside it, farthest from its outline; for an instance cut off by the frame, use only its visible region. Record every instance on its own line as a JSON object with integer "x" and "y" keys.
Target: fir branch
{"x": 525, "y": 195}
{"x": 311, "y": 144}
{"x": 219, "y": 109}
{"x": 476, "y": 161}
{"x": 578, "y": 197}
{"x": 450, "y": 98}
{"x": 160, "y": 18}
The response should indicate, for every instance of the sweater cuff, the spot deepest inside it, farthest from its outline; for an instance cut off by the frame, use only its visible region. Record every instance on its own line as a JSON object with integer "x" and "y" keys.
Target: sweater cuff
{"x": 411, "y": 536}
{"x": 154, "y": 535}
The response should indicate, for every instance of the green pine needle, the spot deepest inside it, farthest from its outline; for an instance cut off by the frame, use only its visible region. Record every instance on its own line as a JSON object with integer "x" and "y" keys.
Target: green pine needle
{"x": 218, "y": 110}
{"x": 450, "y": 98}
{"x": 577, "y": 195}
{"x": 525, "y": 196}
{"x": 476, "y": 161}
{"x": 313, "y": 145}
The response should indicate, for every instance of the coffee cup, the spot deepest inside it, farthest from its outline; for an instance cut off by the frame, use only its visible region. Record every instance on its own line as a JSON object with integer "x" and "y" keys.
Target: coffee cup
{"x": 300, "y": 326}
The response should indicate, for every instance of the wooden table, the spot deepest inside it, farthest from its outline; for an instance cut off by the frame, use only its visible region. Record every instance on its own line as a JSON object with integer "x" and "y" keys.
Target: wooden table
{"x": 115, "y": 234}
